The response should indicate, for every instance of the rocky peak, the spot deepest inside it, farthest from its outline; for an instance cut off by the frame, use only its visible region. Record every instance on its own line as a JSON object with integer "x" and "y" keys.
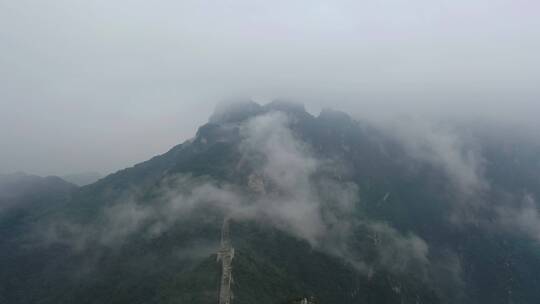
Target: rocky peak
{"x": 235, "y": 111}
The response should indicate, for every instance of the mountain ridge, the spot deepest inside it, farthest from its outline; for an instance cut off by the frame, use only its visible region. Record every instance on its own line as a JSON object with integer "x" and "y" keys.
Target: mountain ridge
{"x": 322, "y": 206}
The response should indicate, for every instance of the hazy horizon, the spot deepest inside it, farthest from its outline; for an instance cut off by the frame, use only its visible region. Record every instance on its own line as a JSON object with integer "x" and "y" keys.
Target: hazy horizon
{"x": 101, "y": 85}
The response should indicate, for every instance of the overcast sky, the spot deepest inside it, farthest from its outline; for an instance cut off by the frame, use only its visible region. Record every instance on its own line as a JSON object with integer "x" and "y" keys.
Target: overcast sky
{"x": 98, "y": 85}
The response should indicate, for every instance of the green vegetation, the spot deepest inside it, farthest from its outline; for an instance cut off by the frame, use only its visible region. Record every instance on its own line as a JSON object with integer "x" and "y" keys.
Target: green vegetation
{"x": 470, "y": 262}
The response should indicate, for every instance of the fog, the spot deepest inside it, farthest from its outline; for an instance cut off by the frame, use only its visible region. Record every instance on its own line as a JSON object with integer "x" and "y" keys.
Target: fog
{"x": 282, "y": 193}
{"x": 101, "y": 85}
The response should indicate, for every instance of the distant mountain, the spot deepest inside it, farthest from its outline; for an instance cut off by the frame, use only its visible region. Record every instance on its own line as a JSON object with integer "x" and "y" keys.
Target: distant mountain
{"x": 325, "y": 209}
{"x": 21, "y": 188}
{"x": 82, "y": 179}
{"x": 24, "y": 197}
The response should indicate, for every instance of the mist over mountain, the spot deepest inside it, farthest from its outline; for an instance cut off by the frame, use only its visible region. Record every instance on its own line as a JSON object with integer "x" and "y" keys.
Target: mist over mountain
{"x": 323, "y": 207}
{"x": 83, "y": 178}
{"x": 102, "y": 85}
{"x": 18, "y": 189}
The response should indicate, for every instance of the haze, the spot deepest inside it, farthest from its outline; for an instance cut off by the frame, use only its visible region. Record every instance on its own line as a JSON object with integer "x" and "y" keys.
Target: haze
{"x": 101, "y": 85}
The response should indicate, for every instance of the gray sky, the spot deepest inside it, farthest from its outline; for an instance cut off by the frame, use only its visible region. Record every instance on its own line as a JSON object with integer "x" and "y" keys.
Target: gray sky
{"x": 98, "y": 85}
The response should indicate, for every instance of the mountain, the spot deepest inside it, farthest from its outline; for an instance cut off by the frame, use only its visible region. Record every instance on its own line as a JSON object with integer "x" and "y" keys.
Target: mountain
{"x": 323, "y": 208}
{"x": 20, "y": 191}
{"x": 82, "y": 179}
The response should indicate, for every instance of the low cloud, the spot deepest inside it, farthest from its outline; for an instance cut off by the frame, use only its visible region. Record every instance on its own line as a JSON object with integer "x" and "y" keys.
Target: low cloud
{"x": 474, "y": 200}
{"x": 521, "y": 215}
{"x": 291, "y": 189}
{"x": 443, "y": 147}
{"x": 321, "y": 210}
{"x": 174, "y": 203}
{"x": 282, "y": 191}
{"x": 399, "y": 252}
